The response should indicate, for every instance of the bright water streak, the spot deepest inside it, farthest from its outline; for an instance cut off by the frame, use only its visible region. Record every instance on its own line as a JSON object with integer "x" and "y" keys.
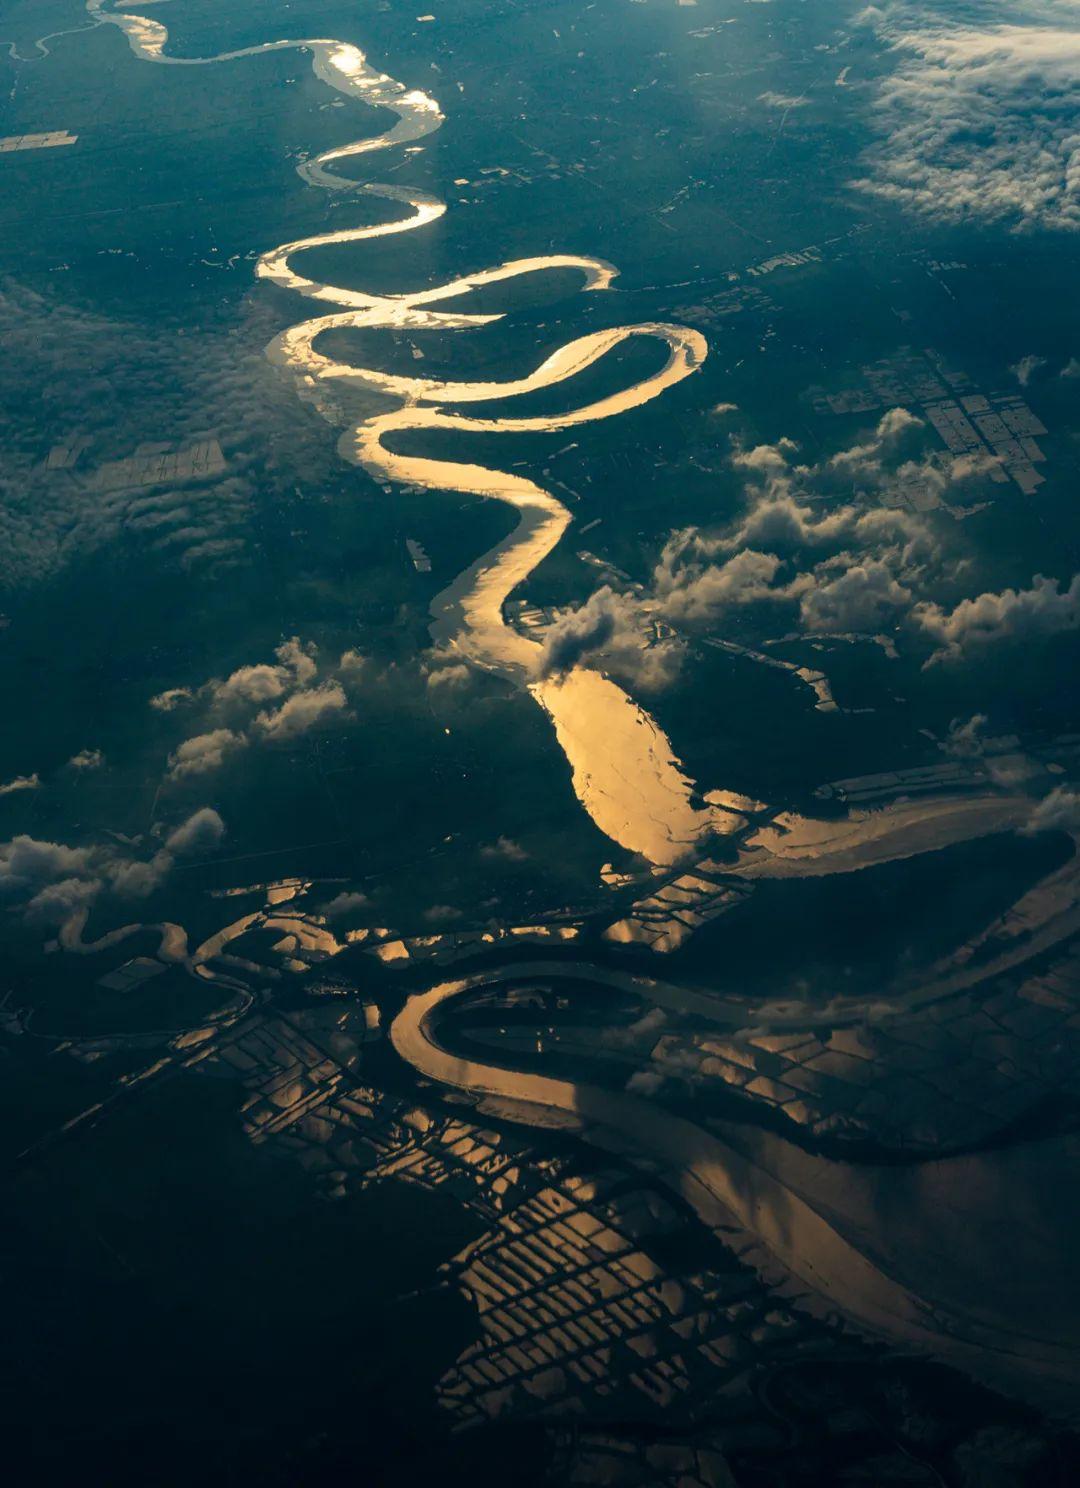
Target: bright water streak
{"x": 624, "y": 770}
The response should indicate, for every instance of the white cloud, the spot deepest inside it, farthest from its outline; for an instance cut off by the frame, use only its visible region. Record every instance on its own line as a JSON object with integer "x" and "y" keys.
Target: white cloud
{"x": 203, "y": 753}
{"x": 299, "y": 658}
{"x": 344, "y": 904}
{"x": 252, "y": 684}
{"x": 303, "y": 711}
{"x": 171, "y": 699}
{"x": 1014, "y": 614}
{"x": 766, "y": 459}
{"x": 865, "y": 595}
{"x": 136, "y": 879}
{"x": 441, "y": 914}
{"x": 286, "y": 681}
{"x": 452, "y": 675}
{"x": 693, "y": 591}
{"x": 645, "y": 1082}
{"x": 965, "y": 738}
{"x": 201, "y": 831}
{"x": 263, "y": 682}
{"x": 27, "y": 865}
{"x": 981, "y": 121}
{"x": 353, "y": 665}
{"x": 1057, "y": 812}
{"x": 614, "y": 630}
{"x": 782, "y": 100}
{"x": 844, "y": 564}
{"x": 49, "y": 882}
{"x": 897, "y": 422}
{"x": 86, "y": 759}
{"x": 505, "y": 848}
{"x": 1024, "y": 370}
{"x": 136, "y": 379}
{"x": 21, "y": 783}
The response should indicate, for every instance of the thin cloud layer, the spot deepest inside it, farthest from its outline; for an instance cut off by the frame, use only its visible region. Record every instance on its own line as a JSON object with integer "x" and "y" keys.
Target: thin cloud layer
{"x": 979, "y": 121}
{"x": 115, "y": 385}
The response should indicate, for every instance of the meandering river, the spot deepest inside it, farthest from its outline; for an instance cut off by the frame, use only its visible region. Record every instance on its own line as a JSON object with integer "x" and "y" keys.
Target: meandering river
{"x": 624, "y": 770}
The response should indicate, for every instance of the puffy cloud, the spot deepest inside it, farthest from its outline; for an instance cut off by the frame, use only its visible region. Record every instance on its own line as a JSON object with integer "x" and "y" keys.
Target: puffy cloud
{"x": 964, "y": 739}
{"x": 299, "y": 659}
{"x": 864, "y": 596}
{"x": 290, "y": 681}
{"x": 86, "y": 759}
{"x": 645, "y": 1082}
{"x": 199, "y": 833}
{"x": 263, "y": 682}
{"x": 897, "y": 422}
{"x": 864, "y": 560}
{"x": 203, "y": 753}
{"x": 1071, "y": 369}
{"x": 252, "y": 684}
{"x": 848, "y": 565}
{"x": 452, "y": 675}
{"x": 1024, "y": 370}
{"x": 578, "y": 632}
{"x": 506, "y": 849}
{"x": 441, "y": 914}
{"x": 872, "y": 465}
{"x": 972, "y": 466}
{"x": 27, "y": 865}
{"x": 695, "y": 592}
{"x": 868, "y": 461}
{"x": 907, "y": 540}
{"x": 202, "y": 830}
{"x": 779, "y": 523}
{"x": 980, "y": 121}
{"x": 353, "y": 665}
{"x": 21, "y": 783}
{"x": 303, "y": 711}
{"x": 136, "y": 879}
{"x": 344, "y": 904}
{"x": 171, "y": 699}
{"x": 1013, "y": 615}
{"x": 49, "y": 882}
{"x": 617, "y": 632}
{"x": 1057, "y": 812}
{"x": 766, "y": 459}
{"x": 57, "y": 902}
